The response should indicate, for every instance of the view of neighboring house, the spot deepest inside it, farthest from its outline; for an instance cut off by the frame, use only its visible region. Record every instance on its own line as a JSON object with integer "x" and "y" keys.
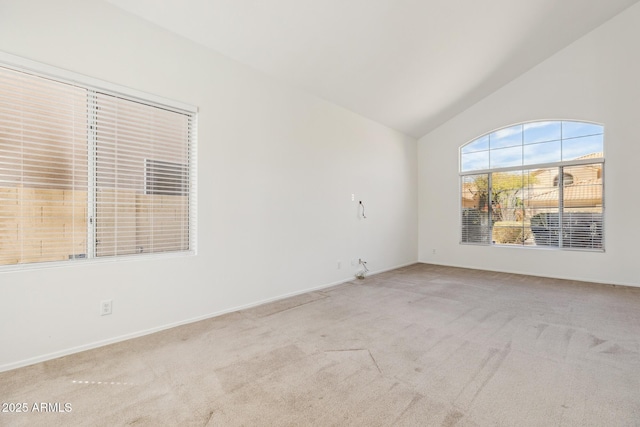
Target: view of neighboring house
{"x": 527, "y": 206}
{"x": 582, "y": 188}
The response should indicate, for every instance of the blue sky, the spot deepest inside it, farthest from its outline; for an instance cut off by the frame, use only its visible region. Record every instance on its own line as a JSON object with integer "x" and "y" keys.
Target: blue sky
{"x": 532, "y": 143}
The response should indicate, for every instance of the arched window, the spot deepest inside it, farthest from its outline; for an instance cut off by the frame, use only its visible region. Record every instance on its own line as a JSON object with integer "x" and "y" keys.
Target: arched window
{"x": 511, "y": 192}
{"x": 567, "y": 179}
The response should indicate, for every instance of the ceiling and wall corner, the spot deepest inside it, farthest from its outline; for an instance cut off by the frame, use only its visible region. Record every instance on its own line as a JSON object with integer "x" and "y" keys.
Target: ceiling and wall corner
{"x": 408, "y": 64}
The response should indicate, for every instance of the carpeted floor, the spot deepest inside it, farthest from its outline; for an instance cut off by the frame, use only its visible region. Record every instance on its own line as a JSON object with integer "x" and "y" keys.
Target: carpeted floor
{"x": 419, "y": 346}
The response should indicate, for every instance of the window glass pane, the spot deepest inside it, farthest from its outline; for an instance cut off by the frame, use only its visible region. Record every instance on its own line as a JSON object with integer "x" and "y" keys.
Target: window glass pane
{"x": 506, "y": 157}
{"x": 475, "y": 209}
{"x": 545, "y": 152}
{"x": 43, "y": 169}
{"x": 542, "y": 192}
{"x": 582, "y": 228}
{"x": 142, "y": 174}
{"x": 582, "y": 215}
{"x": 541, "y": 206}
{"x": 475, "y": 161}
{"x": 542, "y": 131}
{"x": 508, "y": 191}
{"x": 577, "y": 148}
{"x": 586, "y": 189}
{"x": 507, "y": 137}
{"x": 578, "y": 129}
{"x": 479, "y": 144}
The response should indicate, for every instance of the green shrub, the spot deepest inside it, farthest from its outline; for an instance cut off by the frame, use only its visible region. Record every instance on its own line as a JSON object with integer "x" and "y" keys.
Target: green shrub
{"x": 511, "y": 231}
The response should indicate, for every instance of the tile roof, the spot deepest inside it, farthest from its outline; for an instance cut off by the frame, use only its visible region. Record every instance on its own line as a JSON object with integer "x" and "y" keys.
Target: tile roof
{"x": 581, "y": 193}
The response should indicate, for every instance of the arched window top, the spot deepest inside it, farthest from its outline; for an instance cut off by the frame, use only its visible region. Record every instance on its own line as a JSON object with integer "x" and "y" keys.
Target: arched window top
{"x": 533, "y": 143}
{"x": 567, "y": 179}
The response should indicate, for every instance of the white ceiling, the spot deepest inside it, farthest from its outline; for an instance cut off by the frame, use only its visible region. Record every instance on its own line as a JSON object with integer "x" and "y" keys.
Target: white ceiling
{"x": 408, "y": 64}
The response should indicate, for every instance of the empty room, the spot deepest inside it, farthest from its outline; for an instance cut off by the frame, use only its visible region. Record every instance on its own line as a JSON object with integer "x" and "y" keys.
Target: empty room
{"x": 285, "y": 212}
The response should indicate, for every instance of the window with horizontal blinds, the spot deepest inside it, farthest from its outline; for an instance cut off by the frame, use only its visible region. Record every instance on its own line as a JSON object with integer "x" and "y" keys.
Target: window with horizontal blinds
{"x": 85, "y": 173}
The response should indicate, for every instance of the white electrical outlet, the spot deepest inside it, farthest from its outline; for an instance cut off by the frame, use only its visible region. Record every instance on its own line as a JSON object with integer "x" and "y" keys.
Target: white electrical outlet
{"x": 353, "y": 197}
{"x": 339, "y": 264}
{"x": 105, "y": 307}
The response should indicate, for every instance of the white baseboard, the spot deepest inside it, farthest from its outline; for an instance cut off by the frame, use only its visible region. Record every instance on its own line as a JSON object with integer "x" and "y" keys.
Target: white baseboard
{"x": 120, "y": 338}
{"x": 523, "y": 273}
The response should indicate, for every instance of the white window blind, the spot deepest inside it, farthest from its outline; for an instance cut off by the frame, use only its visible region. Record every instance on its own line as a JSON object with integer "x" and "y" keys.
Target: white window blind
{"x": 43, "y": 169}
{"x": 129, "y": 137}
{"x": 85, "y": 173}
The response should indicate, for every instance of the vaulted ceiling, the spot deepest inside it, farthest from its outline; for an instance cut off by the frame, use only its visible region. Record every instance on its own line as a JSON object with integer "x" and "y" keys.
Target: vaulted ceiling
{"x": 408, "y": 64}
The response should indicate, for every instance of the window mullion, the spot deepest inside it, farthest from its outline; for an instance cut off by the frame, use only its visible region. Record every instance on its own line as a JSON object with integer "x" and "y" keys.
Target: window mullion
{"x": 92, "y": 108}
{"x": 560, "y": 206}
{"x": 490, "y": 206}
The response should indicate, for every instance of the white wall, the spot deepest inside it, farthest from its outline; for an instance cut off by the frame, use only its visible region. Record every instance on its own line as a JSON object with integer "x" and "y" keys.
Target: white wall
{"x": 276, "y": 172}
{"x": 596, "y": 79}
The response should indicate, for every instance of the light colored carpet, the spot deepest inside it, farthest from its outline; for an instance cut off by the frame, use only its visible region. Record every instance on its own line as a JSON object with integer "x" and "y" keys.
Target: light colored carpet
{"x": 421, "y": 346}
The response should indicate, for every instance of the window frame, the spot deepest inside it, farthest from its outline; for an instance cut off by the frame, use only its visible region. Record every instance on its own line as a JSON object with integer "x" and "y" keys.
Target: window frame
{"x": 560, "y": 165}
{"x": 93, "y": 86}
